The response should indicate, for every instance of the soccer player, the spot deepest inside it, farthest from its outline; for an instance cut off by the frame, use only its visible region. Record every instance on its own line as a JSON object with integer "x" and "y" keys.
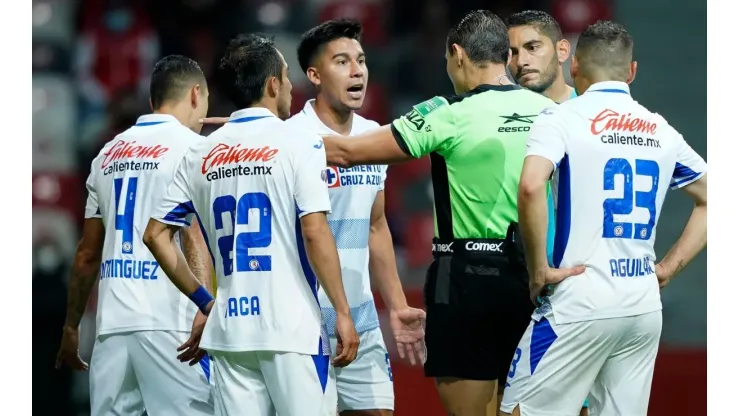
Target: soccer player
{"x": 333, "y": 59}
{"x": 599, "y": 331}
{"x": 142, "y": 318}
{"x": 538, "y": 52}
{"x": 259, "y": 189}
{"x": 476, "y": 291}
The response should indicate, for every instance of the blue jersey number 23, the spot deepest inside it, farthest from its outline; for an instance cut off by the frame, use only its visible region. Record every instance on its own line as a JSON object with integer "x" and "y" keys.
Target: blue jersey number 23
{"x": 239, "y": 215}
{"x": 630, "y": 198}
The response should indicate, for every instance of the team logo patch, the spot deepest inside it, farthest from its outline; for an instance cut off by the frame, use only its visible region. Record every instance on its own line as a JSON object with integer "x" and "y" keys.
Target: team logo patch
{"x": 332, "y": 177}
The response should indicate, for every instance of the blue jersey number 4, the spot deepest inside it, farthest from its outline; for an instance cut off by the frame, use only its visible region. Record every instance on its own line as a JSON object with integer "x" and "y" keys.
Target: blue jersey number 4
{"x": 125, "y": 221}
{"x": 630, "y": 199}
{"x": 239, "y": 215}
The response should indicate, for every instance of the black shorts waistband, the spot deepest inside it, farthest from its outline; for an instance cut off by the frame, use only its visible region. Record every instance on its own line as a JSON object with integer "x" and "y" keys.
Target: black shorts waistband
{"x": 458, "y": 246}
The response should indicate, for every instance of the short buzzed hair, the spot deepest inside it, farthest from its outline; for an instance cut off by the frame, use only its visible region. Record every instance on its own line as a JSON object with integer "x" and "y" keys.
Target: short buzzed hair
{"x": 605, "y": 47}
{"x": 483, "y": 36}
{"x": 173, "y": 75}
{"x": 541, "y": 21}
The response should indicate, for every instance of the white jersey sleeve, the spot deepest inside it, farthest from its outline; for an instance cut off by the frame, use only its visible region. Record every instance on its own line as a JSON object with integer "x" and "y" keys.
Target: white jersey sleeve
{"x": 92, "y": 208}
{"x": 311, "y": 193}
{"x": 689, "y": 165}
{"x": 547, "y": 136}
{"x": 176, "y": 207}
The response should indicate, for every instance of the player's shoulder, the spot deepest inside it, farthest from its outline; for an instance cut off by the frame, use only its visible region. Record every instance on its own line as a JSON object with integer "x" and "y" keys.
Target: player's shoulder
{"x": 364, "y": 124}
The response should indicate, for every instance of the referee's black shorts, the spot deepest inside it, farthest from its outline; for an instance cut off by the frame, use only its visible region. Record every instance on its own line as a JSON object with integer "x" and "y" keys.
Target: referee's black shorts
{"x": 477, "y": 300}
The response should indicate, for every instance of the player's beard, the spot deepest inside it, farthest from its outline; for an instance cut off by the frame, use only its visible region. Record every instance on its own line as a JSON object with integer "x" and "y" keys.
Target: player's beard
{"x": 547, "y": 77}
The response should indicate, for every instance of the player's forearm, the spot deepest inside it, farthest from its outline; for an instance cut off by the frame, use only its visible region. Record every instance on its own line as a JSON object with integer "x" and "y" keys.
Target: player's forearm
{"x": 383, "y": 269}
{"x": 532, "y": 207}
{"x": 158, "y": 238}
{"x": 692, "y": 241}
{"x": 84, "y": 274}
{"x": 196, "y": 254}
{"x": 322, "y": 254}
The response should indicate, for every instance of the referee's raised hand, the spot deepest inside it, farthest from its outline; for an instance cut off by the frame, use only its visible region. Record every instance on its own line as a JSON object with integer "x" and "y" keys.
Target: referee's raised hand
{"x": 539, "y": 281}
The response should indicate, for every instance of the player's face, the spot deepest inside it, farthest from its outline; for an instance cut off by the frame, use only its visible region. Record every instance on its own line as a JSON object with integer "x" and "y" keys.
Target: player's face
{"x": 342, "y": 73}
{"x": 534, "y": 59}
{"x": 284, "y": 93}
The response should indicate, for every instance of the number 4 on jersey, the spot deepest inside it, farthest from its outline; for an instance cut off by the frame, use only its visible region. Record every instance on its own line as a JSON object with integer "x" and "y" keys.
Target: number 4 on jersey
{"x": 630, "y": 198}
{"x": 125, "y": 221}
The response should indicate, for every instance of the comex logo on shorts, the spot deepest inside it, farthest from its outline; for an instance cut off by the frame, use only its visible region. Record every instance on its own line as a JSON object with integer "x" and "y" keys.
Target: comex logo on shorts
{"x": 469, "y": 246}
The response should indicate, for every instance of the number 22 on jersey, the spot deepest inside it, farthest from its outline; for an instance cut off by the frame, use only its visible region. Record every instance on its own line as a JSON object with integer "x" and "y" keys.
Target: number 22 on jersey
{"x": 630, "y": 199}
{"x": 238, "y": 212}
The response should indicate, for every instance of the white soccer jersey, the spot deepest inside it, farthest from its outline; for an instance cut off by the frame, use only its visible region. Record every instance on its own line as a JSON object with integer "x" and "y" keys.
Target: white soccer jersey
{"x": 352, "y": 193}
{"x": 615, "y": 160}
{"x": 249, "y": 183}
{"x": 125, "y": 185}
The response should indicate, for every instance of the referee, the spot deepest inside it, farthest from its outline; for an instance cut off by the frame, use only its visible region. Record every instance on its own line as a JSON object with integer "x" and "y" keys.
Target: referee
{"x": 476, "y": 291}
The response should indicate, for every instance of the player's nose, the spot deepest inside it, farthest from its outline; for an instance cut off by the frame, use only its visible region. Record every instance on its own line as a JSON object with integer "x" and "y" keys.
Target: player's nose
{"x": 357, "y": 70}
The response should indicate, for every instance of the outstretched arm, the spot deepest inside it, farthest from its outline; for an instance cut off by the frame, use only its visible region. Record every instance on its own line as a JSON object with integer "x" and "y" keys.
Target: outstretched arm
{"x": 376, "y": 147}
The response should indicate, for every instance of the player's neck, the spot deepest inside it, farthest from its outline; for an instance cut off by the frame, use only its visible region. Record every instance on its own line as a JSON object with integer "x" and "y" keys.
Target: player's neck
{"x": 559, "y": 91}
{"x": 338, "y": 121}
{"x": 178, "y": 111}
{"x": 491, "y": 75}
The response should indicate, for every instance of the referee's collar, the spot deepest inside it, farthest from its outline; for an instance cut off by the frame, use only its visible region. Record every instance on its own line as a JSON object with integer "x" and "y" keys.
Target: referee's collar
{"x": 610, "y": 86}
{"x": 154, "y": 119}
{"x": 250, "y": 114}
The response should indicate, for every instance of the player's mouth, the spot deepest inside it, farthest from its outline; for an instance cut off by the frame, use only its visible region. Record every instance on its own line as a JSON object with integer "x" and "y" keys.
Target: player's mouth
{"x": 527, "y": 76}
{"x": 356, "y": 91}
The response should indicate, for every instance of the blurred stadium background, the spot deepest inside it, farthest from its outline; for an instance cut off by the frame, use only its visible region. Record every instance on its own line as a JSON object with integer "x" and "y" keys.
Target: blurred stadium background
{"x": 91, "y": 62}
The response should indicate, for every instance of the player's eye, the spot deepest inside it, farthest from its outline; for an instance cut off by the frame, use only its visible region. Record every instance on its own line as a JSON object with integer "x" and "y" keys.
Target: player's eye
{"x": 342, "y": 62}
{"x": 361, "y": 61}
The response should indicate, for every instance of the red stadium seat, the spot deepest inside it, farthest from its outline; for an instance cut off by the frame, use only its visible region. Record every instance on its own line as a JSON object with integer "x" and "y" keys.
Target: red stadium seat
{"x": 59, "y": 191}
{"x": 575, "y": 15}
{"x": 368, "y": 12}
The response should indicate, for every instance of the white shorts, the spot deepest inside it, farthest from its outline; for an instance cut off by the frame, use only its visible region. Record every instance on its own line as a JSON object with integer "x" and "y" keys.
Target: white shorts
{"x": 261, "y": 383}
{"x": 136, "y": 370}
{"x": 610, "y": 361}
{"x": 367, "y": 383}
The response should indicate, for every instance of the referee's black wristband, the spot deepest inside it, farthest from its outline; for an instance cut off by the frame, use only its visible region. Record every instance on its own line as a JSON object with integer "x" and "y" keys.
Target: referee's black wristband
{"x": 201, "y": 298}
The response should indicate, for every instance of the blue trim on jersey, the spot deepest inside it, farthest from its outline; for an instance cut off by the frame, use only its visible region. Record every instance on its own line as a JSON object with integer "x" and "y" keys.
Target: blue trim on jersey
{"x": 585, "y": 404}
{"x": 611, "y": 90}
{"x": 180, "y": 212}
{"x": 246, "y": 119}
{"x": 550, "y": 225}
{"x": 321, "y": 361}
{"x": 205, "y": 364}
{"x": 682, "y": 174}
{"x": 562, "y": 229}
{"x": 543, "y": 336}
{"x": 574, "y": 94}
{"x": 148, "y": 123}
{"x": 303, "y": 257}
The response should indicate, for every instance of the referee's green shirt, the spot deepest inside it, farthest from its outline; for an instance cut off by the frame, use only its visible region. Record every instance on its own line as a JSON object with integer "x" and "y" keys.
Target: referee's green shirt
{"x": 477, "y": 143}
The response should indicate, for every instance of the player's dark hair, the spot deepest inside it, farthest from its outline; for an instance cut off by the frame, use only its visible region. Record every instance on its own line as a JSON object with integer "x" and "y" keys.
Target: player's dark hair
{"x": 313, "y": 41}
{"x": 248, "y": 62}
{"x": 541, "y": 21}
{"x": 605, "y": 47}
{"x": 172, "y": 76}
{"x": 483, "y": 36}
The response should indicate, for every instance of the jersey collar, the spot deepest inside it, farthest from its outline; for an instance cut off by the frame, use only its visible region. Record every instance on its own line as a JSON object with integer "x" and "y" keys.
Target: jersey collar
{"x": 154, "y": 119}
{"x": 309, "y": 111}
{"x": 610, "y": 86}
{"x": 250, "y": 114}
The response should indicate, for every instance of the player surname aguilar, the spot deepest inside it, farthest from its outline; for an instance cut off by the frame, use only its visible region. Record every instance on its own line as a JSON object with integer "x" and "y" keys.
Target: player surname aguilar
{"x": 268, "y": 233}
{"x": 598, "y": 332}
{"x": 142, "y": 318}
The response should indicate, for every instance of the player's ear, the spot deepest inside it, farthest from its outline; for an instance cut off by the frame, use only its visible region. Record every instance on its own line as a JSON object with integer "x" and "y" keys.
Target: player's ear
{"x": 194, "y": 96}
{"x": 562, "y": 47}
{"x": 313, "y": 76}
{"x": 273, "y": 87}
{"x": 633, "y": 72}
{"x": 151, "y": 106}
{"x": 459, "y": 53}
{"x": 508, "y": 60}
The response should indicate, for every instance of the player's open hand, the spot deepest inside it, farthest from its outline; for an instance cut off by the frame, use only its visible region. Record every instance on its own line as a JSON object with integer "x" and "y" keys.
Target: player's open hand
{"x": 191, "y": 351}
{"x": 214, "y": 120}
{"x": 408, "y": 330}
{"x": 347, "y": 341}
{"x": 69, "y": 352}
{"x": 541, "y": 279}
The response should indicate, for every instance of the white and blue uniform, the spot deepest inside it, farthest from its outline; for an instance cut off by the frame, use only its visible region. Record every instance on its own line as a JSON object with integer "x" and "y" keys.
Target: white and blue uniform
{"x": 142, "y": 318}
{"x": 249, "y": 184}
{"x": 366, "y": 383}
{"x": 599, "y": 331}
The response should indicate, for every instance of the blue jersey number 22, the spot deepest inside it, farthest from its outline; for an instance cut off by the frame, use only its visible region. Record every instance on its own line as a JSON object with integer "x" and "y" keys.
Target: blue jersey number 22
{"x": 125, "y": 222}
{"x": 630, "y": 198}
{"x": 239, "y": 215}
